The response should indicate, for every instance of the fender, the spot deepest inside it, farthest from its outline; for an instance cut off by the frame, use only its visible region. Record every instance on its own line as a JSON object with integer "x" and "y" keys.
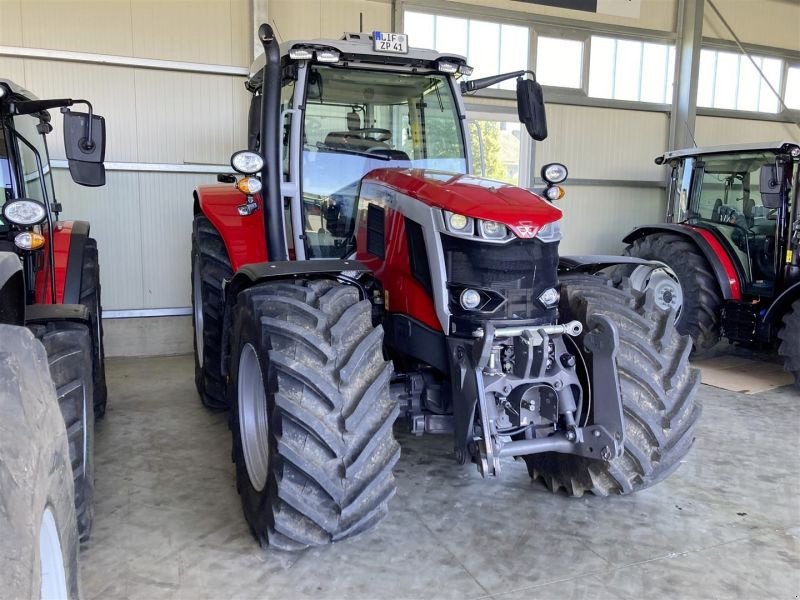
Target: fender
{"x": 45, "y": 313}
{"x": 597, "y": 262}
{"x": 714, "y": 252}
{"x": 782, "y": 303}
{"x": 69, "y": 243}
{"x": 253, "y": 274}
{"x": 243, "y": 235}
{"x": 12, "y": 290}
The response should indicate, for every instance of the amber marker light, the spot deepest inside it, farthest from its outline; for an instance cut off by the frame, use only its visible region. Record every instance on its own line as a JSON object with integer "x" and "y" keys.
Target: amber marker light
{"x": 28, "y": 240}
{"x": 249, "y": 185}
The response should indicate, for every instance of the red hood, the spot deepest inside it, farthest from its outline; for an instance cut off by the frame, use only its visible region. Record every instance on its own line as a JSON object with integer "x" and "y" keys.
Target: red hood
{"x": 523, "y": 211}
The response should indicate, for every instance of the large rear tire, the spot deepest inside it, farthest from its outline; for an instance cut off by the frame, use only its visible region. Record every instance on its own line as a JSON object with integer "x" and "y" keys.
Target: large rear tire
{"x": 658, "y": 390}
{"x": 90, "y": 298}
{"x": 69, "y": 355}
{"x": 700, "y": 315}
{"x": 38, "y": 537}
{"x": 311, "y": 415}
{"x": 789, "y": 335}
{"x": 210, "y": 266}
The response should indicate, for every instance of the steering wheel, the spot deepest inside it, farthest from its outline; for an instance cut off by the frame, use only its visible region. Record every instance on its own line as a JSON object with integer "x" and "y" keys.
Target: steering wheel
{"x": 381, "y": 135}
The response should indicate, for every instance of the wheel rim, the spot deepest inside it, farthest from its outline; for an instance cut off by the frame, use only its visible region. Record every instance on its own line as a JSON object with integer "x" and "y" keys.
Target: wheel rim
{"x": 197, "y": 306}
{"x": 51, "y": 558}
{"x": 253, "y": 419}
{"x": 664, "y": 284}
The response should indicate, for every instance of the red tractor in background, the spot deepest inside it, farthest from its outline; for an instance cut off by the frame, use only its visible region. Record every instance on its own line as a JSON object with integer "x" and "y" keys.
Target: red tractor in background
{"x": 49, "y": 271}
{"x": 358, "y": 271}
{"x": 732, "y": 238}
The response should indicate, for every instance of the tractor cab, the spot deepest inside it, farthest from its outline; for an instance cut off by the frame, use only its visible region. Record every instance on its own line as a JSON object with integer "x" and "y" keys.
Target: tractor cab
{"x": 744, "y": 197}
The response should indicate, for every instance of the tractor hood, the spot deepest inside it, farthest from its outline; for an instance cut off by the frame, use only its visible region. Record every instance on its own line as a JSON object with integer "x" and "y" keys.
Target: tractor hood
{"x": 524, "y": 212}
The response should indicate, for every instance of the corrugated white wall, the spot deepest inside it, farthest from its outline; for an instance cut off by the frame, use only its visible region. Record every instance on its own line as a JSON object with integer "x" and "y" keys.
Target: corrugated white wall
{"x": 142, "y": 220}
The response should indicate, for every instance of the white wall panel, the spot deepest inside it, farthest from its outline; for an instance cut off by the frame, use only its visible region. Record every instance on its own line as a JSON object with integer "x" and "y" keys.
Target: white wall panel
{"x": 13, "y": 69}
{"x": 604, "y": 143}
{"x": 115, "y": 216}
{"x": 78, "y": 25}
{"x": 295, "y": 19}
{"x": 597, "y": 218}
{"x": 11, "y": 22}
{"x": 773, "y": 23}
{"x": 189, "y": 30}
{"x": 711, "y": 131}
{"x": 109, "y": 89}
{"x": 165, "y": 213}
{"x": 187, "y": 117}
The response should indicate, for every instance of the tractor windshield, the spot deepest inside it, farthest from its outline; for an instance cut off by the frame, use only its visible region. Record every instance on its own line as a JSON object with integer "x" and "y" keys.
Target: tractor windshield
{"x": 360, "y": 120}
{"x": 725, "y": 197}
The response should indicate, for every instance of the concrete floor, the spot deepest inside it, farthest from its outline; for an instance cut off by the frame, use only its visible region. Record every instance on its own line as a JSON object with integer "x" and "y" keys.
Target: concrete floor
{"x": 168, "y": 522}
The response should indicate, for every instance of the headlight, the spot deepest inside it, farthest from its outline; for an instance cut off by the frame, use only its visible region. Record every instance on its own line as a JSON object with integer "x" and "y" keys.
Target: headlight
{"x": 24, "y": 212}
{"x": 301, "y": 54}
{"x": 458, "y": 223}
{"x": 327, "y": 56}
{"x": 247, "y": 162}
{"x": 554, "y": 173}
{"x": 470, "y": 299}
{"x": 554, "y": 192}
{"x": 28, "y": 240}
{"x": 550, "y": 232}
{"x": 492, "y": 230}
{"x": 249, "y": 185}
{"x": 549, "y": 298}
{"x": 447, "y": 67}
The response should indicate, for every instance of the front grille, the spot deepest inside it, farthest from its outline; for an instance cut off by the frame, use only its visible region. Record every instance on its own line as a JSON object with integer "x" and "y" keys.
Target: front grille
{"x": 519, "y": 272}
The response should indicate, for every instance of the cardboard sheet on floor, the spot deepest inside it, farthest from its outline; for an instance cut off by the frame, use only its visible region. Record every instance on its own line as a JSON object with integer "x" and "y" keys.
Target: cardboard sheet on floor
{"x": 737, "y": 374}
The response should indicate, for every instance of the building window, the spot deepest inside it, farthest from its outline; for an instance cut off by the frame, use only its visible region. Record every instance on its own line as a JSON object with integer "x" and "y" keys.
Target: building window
{"x": 631, "y": 70}
{"x": 792, "y": 98}
{"x": 729, "y": 80}
{"x": 559, "y": 62}
{"x": 490, "y": 48}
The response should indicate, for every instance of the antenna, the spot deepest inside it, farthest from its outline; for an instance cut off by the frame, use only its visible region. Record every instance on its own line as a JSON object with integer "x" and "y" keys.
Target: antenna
{"x": 749, "y": 56}
{"x": 361, "y": 22}
{"x": 277, "y": 30}
{"x": 690, "y": 132}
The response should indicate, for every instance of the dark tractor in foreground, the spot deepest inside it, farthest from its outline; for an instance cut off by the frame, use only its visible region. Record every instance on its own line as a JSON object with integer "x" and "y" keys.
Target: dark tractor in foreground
{"x": 732, "y": 238}
{"x": 357, "y": 235}
{"x": 49, "y": 272}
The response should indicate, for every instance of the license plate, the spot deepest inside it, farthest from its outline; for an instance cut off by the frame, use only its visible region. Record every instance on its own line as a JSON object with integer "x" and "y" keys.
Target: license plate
{"x": 396, "y": 43}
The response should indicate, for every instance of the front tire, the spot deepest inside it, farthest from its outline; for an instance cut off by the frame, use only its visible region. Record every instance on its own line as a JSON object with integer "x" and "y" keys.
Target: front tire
{"x": 789, "y": 336}
{"x": 38, "y": 537}
{"x": 90, "y": 298}
{"x": 69, "y": 356}
{"x": 658, "y": 389}
{"x": 701, "y": 312}
{"x": 311, "y": 415}
{"x": 210, "y": 267}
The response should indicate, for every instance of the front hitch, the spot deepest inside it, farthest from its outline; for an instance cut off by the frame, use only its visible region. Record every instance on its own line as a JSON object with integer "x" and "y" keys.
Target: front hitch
{"x": 479, "y": 383}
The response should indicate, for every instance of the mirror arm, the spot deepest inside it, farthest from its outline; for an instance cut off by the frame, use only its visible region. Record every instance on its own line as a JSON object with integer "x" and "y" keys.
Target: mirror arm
{"x": 478, "y": 84}
{"x": 89, "y": 144}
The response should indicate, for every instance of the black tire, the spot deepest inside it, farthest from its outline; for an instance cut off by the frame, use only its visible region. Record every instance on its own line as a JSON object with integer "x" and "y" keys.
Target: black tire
{"x": 35, "y": 474}
{"x": 702, "y": 298}
{"x": 91, "y": 299}
{"x": 331, "y": 442}
{"x": 658, "y": 395}
{"x": 210, "y": 266}
{"x": 789, "y": 335}
{"x": 69, "y": 355}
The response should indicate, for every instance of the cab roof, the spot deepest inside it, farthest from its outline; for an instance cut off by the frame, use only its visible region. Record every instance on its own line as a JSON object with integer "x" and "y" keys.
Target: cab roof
{"x": 780, "y": 146}
{"x": 16, "y": 89}
{"x": 358, "y": 47}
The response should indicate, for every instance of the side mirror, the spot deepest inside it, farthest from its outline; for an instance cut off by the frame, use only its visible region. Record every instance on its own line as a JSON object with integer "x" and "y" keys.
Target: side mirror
{"x": 770, "y": 186}
{"x": 530, "y": 106}
{"x": 85, "y": 147}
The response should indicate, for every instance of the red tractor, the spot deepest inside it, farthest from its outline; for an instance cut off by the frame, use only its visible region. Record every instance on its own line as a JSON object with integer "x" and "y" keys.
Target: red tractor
{"x": 732, "y": 239}
{"x": 357, "y": 271}
{"x": 49, "y": 272}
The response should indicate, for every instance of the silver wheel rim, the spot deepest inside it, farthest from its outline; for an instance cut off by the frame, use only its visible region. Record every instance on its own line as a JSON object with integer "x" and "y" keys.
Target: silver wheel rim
{"x": 51, "y": 559}
{"x": 664, "y": 284}
{"x": 197, "y": 306}
{"x": 253, "y": 419}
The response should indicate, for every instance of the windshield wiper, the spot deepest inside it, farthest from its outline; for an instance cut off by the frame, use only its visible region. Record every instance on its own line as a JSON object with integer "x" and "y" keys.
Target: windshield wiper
{"x": 328, "y": 148}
